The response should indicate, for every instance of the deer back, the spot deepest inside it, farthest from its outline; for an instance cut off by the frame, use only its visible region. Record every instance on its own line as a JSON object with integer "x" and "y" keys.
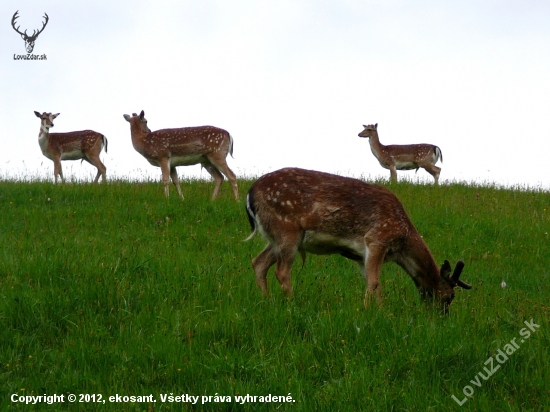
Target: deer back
{"x": 188, "y": 144}
{"x": 414, "y": 153}
{"x": 297, "y": 200}
{"x": 72, "y": 145}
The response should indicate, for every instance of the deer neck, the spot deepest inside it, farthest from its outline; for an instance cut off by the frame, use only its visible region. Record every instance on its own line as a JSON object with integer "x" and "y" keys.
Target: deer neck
{"x": 138, "y": 137}
{"x": 43, "y": 138}
{"x": 419, "y": 263}
{"x": 377, "y": 148}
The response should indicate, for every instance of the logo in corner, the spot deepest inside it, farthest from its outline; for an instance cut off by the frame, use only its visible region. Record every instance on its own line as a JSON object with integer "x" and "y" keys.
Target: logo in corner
{"x": 29, "y": 40}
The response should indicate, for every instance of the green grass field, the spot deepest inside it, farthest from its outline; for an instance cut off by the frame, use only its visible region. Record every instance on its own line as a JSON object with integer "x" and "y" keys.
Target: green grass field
{"x": 115, "y": 290}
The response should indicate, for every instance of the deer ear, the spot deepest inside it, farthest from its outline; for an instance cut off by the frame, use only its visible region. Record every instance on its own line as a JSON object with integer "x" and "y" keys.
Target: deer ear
{"x": 55, "y": 115}
{"x": 141, "y": 114}
{"x": 37, "y": 114}
{"x": 126, "y": 117}
{"x": 376, "y": 126}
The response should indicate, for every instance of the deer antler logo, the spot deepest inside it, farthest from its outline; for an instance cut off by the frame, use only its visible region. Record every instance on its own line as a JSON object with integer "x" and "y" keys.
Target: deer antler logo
{"x": 29, "y": 40}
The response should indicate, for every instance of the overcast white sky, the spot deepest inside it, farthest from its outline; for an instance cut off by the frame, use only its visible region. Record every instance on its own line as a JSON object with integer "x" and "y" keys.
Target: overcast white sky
{"x": 292, "y": 81}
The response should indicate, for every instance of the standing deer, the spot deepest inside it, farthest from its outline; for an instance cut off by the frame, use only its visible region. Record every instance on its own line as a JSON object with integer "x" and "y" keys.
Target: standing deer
{"x": 29, "y": 40}
{"x": 403, "y": 157}
{"x": 169, "y": 148}
{"x": 303, "y": 211}
{"x": 85, "y": 145}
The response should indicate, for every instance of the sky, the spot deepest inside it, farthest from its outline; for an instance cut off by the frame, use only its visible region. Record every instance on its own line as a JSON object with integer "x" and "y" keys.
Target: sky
{"x": 293, "y": 81}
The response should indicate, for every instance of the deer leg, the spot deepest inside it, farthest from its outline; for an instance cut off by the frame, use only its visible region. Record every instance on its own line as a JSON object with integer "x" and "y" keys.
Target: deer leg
{"x": 221, "y": 165}
{"x": 393, "y": 173}
{"x": 97, "y": 176}
{"x": 374, "y": 258}
{"x": 175, "y": 181}
{"x": 286, "y": 254}
{"x": 261, "y": 265}
{"x": 285, "y": 259}
{"x": 165, "y": 169}
{"x": 217, "y": 176}
{"x": 101, "y": 169}
{"x": 57, "y": 169}
{"x": 434, "y": 171}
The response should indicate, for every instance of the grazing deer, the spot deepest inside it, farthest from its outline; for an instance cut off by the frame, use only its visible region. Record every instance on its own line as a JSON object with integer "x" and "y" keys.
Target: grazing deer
{"x": 29, "y": 40}
{"x": 85, "y": 145}
{"x": 303, "y": 211}
{"x": 169, "y": 148}
{"x": 403, "y": 157}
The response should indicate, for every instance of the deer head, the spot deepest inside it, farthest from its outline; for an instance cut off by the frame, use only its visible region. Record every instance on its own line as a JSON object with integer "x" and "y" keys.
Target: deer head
{"x": 369, "y": 130}
{"x": 444, "y": 292}
{"x": 142, "y": 121}
{"x": 29, "y": 40}
{"x": 46, "y": 120}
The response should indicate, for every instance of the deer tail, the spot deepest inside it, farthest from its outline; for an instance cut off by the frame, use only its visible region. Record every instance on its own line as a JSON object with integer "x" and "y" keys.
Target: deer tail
{"x": 438, "y": 154}
{"x": 104, "y": 142}
{"x": 251, "y": 213}
{"x": 231, "y": 145}
{"x": 303, "y": 256}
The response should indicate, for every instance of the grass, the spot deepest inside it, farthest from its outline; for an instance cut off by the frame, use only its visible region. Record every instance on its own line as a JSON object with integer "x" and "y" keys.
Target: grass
{"x": 113, "y": 289}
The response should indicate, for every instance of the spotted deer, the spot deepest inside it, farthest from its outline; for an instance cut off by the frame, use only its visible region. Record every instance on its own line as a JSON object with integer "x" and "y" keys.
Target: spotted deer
{"x": 403, "y": 157}
{"x": 301, "y": 211}
{"x": 83, "y": 145}
{"x": 169, "y": 148}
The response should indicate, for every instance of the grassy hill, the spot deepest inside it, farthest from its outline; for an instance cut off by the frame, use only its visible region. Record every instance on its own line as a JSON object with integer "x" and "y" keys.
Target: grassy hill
{"x": 113, "y": 289}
